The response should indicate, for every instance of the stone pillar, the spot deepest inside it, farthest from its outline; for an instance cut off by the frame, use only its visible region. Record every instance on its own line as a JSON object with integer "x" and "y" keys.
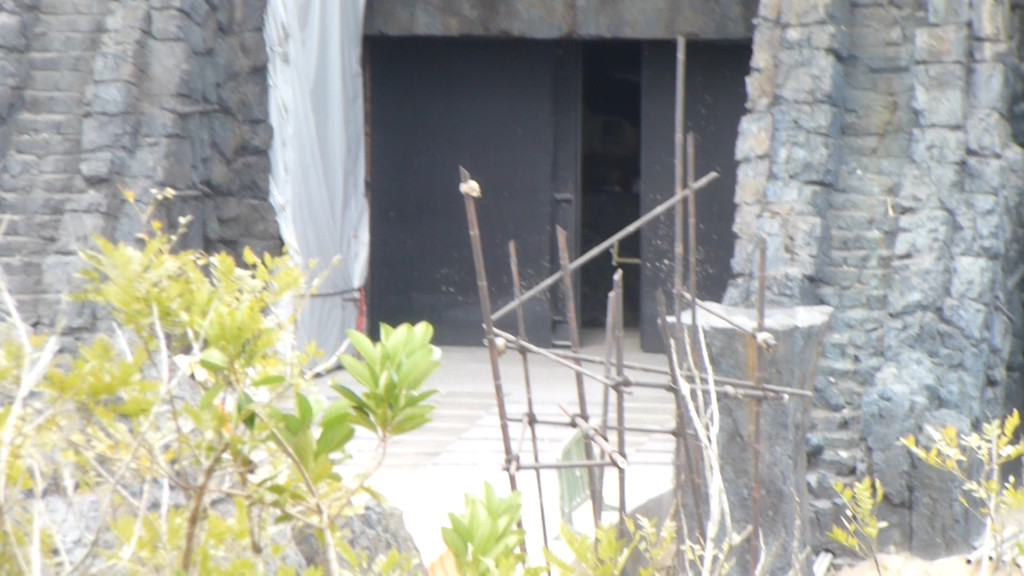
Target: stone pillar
{"x": 13, "y": 41}
{"x": 788, "y": 145}
{"x": 799, "y": 334}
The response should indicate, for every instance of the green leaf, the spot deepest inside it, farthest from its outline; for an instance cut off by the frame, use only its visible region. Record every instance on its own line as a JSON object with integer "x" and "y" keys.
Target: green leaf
{"x": 305, "y": 409}
{"x": 292, "y": 424}
{"x": 214, "y": 360}
{"x": 271, "y": 380}
{"x": 210, "y": 395}
{"x": 337, "y": 412}
{"x": 364, "y": 346}
{"x": 333, "y": 438}
{"x": 245, "y": 411}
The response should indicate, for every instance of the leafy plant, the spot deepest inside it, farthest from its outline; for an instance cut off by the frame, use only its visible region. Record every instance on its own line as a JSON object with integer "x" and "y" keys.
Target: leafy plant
{"x": 486, "y": 539}
{"x": 191, "y": 431}
{"x": 656, "y": 545}
{"x": 860, "y": 521}
{"x": 606, "y": 553}
{"x": 392, "y": 372}
{"x": 977, "y": 461}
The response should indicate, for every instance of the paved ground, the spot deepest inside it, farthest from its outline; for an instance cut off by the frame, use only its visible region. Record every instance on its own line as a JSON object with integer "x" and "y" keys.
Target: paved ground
{"x": 427, "y": 473}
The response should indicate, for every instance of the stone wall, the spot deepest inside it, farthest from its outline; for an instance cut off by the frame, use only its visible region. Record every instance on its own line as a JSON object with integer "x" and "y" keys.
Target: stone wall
{"x": 137, "y": 94}
{"x": 879, "y": 166}
{"x": 640, "y": 19}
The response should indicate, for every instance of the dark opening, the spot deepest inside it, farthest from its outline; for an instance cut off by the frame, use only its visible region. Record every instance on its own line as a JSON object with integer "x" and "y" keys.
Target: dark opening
{"x": 436, "y": 104}
{"x": 610, "y": 174}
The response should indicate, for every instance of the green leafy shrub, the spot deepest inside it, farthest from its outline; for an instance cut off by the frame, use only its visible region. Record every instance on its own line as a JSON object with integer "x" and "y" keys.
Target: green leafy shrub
{"x": 860, "y": 520}
{"x": 190, "y": 431}
{"x": 603, "y": 555}
{"x": 978, "y": 461}
{"x": 486, "y": 539}
{"x": 606, "y": 553}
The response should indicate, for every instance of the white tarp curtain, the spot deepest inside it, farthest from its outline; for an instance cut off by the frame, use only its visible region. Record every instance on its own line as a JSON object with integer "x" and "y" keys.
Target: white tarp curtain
{"x": 317, "y": 157}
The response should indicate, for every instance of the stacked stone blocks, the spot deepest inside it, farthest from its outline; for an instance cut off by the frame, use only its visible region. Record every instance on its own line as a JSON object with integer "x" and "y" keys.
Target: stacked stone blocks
{"x": 877, "y": 160}
{"x": 138, "y": 94}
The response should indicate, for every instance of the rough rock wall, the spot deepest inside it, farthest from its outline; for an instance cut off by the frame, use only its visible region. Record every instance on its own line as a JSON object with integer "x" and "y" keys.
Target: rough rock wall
{"x": 877, "y": 161}
{"x": 640, "y": 19}
{"x": 99, "y": 94}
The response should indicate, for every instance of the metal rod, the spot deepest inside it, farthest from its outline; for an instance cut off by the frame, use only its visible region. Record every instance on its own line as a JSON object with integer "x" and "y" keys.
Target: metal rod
{"x": 591, "y": 464}
{"x": 591, "y": 434}
{"x": 514, "y": 467}
{"x": 680, "y": 127}
{"x": 517, "y": 287}
{"x": 564, "y": 424}
{"x": 639, "y": 367}
{"x": 485, "y": 308}
{"x": 731, "y": 386}
{"x": 609, "y": 348}
{"x": 783, "y": 390}
{"x": 691, "y": 212}
{"x": 620, "y": 404}
{"x": 684, "y": 450}
{"x": 754, "y": 352}
{"x": 725, "y": 390}
{"x": 703, "y": 306}
{"x": 550, "y": 356}
{"x": 596, "y": 496}
{"x": 600, "y": 248}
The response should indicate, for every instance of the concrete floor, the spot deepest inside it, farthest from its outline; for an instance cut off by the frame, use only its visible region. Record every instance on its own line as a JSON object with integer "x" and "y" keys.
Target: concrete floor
{"x": 427, "y": 473}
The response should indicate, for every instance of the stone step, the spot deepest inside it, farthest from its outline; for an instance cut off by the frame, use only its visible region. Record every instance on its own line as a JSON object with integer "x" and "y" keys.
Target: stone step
{"x": 837, "y": 365}
{"x": 47, "y": 102}
{"x": 70, "y": 22}
{"x": 55, "y": 81}
{"x": 34, "y": 123}
{"x": 840, "y": 462}
{"x": 59, "y": 61}
{"x": 42, "y": 145}
{"x": 75, "y": 42}
{"x": 852, "y": 220}
{"x": 864, "y": 319}
{"x": 839, "y": 298}
{"x": 87, "y": 7}
{"x": 845, "y": 440}
{"x": 862, "y": 259}
{"x": 47, "y": 183}
{"x": 843, "y": 421}
{"x": 857, "y": 240}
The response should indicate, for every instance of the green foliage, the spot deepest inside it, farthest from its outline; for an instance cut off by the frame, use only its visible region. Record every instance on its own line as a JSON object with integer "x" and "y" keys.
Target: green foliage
{"x": 196, "y": 396}
{"x": 657, "y": 545}
{"x": 393, "y": 563}
{"x": 604, "y": 555}
{"x": 977, "y": 461}
{"x": 486, "y": 540}
{"x": 392, "y": 372}
{"x": 860, "y": 521}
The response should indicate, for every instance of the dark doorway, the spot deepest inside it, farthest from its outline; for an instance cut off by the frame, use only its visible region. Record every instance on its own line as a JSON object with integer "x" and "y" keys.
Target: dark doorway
{"x": 715, "y": 100}
{"x": 490, "y": 106}
{"x": 577, "y": 134}
{"x": 610, "y": 169}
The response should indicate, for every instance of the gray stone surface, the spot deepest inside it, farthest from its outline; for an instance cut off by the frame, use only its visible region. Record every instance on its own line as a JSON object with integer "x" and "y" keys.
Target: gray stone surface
{"x": 799, "y": 333}
{"x": 920, "y": 226}
{"x": 375, "y": 530}
{"x": 103, "y": 95}
{"x": 640, "y": 19}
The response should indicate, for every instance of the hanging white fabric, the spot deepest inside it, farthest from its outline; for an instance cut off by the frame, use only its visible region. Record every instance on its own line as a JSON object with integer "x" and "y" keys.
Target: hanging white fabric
{"x": 317, "y": 158}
